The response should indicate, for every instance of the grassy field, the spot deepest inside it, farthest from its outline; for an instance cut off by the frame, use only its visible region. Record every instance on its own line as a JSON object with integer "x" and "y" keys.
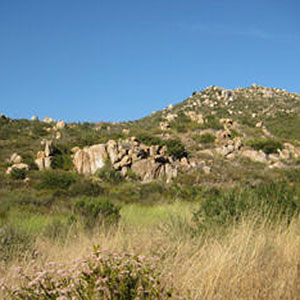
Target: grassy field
{"x": 250, "y": 260}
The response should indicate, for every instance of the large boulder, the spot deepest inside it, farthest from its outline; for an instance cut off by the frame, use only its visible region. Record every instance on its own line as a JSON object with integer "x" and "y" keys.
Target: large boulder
{"x": 148, "y": 169}
{"x": 256, "y": 156}
{"x": 112, "y": 150}
{"x": 44, "y": 158}
{"x": 15, "y": 158}
{"x": 17, "y": 166}
{"x": 90, "y": 159}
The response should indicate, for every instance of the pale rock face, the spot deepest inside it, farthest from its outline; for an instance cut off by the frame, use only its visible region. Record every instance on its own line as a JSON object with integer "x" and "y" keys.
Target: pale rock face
{"x": 90, "y": 159}
{"x": 48, "y": 148}
{"x": 44, "y": 158}
{"x": 273, "y": 157}
{"x": 256, "y": 156}
{"x": 48, "y": 120}
{"x": 279, "y": 165}
{"x": 15, "y": 158}
{"x": 34, "y": 118}
{"x": 112, "y": 150}
{"x": 293, "y": 150}
{"x": 147, "y": 169}
{"x": 60, "y": 124}
{"x": 284, "y": 154}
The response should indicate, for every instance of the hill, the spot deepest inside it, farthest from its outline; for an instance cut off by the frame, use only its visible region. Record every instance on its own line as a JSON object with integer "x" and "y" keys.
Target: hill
{"x": 207, "y": 189}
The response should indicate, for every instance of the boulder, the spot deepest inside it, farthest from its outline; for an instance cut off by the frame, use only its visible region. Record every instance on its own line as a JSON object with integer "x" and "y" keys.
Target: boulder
{"x": 90, "y": 159}
{"x": 48, "y": 120}
{"x": 112, "y": 150}
{"x": 147, "y": 169}
{"x": 60, "y": 124}
{"x": 256, "y": 156}
{"x": 284, "y": 154}
{"x": 34, "y": 118}
{"x": 195, "y": 117}
{"x": 15, "y": 158}
{"x": 17, "y": 166}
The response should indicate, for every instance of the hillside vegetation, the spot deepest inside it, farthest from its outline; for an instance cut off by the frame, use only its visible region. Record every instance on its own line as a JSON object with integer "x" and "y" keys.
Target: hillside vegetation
{"x": 197, "y": 201}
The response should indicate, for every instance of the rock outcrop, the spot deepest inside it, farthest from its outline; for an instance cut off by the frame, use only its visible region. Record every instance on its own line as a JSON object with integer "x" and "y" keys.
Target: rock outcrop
{"x": 44, "y": 158}
{"x": 89, "y": 159}
{"x": 147, "y": 162}
{"x": 17, "y": 166}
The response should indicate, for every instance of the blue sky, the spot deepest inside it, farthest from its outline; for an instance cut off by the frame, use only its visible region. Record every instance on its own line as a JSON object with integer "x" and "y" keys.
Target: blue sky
{"x": 93, "y": 60}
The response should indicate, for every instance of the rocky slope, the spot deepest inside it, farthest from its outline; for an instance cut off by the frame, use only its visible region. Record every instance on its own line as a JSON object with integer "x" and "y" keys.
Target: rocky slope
{"x": 208, "y": 133}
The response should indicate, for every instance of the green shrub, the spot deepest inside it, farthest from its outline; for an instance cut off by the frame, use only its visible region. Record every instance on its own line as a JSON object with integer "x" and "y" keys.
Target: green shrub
{"x": 212, "y": 122}
{"x": 271, "y": 201}
{"x": 206, "y": 138}
{"x": 149, "y": 140}
{"x": 18, "y": 174}
{"x": 62, "y": 158}
{"x": 85, "y": 187}
{"x": 175, "y": 148}
{"x": 97, "y": 211}
{"x": 100, "y": 276}
{"x": 266, "y": 145}
{"x": 55, "y": 179}
{"x": 110, "y": 175}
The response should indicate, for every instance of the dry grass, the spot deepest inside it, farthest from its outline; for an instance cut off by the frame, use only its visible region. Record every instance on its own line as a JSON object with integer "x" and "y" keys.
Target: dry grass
{"x": 250, "y": 261}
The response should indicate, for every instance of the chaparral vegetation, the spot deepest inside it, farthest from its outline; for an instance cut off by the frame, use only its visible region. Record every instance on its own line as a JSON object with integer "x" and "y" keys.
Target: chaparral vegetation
{"x": 198, "y": 201}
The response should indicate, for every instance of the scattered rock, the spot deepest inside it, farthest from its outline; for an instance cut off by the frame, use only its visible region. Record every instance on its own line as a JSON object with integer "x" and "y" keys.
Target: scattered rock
{"x": 60, "y": 125}
{"x": 15, "y": 158}
{"x": 256, "y": 156}
{"x": 17, "y": 166}
{"x": 48, "y": 120}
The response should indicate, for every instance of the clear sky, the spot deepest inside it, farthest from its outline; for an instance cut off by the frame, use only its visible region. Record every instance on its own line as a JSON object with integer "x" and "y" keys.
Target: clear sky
{"x": 113, "y": 60}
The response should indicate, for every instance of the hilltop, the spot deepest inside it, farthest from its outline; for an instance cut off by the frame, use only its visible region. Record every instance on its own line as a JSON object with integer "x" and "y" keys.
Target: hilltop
{"x": 216, "y": 136}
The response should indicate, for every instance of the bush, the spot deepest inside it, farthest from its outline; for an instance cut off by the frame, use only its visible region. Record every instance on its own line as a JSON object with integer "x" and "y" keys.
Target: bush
{"x": 100, "y": 276}
{"x": 86, "y": 187}
{"x": 109, "y": 174}
{"x": 62, "y": 158}
{"x": 149, "y": 140}
{"x": 206, "y": 138}
{"x": 97, "y": 211}
{"x": 273, "y": 200}
{"x": 18, "y": 174}
{"x": 55, "y": 179}
{"x": 266, "y": 145}
{"x": 175, "y": 148}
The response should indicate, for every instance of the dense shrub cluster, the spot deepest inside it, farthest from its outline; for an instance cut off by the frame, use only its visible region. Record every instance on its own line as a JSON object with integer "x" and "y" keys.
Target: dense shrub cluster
{"x": 100, "y": 276}
{"x": 95, "y": 211}
{"x": 55, "y": 179}
{"x": 175, "y": 146}
{"x": 206, "y": 138}
{"x": 272, "y": 201}
{"x": 266, "y": 145}
{"x": 18, "y": 174}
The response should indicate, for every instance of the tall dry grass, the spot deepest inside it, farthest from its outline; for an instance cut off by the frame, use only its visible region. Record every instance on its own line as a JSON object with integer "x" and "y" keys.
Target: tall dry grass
{"x": 249, "y": 261}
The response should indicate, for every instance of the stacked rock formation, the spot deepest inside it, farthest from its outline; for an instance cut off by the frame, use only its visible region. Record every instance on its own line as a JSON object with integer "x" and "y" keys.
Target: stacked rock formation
{"x": 44, "y": 158}
{"x": 147, "y": 162}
